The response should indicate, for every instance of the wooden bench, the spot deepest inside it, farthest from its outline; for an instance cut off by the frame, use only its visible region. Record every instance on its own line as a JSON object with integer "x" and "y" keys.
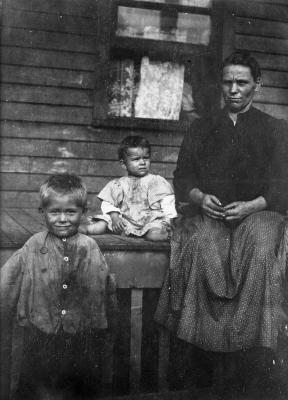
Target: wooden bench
{"x": 137, "y": 265}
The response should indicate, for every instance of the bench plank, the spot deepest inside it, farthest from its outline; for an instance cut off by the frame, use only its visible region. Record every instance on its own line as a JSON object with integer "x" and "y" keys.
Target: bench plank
{"x": 136, "y": 339}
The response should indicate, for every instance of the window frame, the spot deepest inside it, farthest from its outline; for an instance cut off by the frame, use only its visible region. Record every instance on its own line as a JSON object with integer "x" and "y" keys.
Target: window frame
{"x": 107, "y": 42}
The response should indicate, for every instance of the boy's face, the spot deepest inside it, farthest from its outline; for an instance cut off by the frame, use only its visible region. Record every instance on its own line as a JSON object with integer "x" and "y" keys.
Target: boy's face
{"x": 63, "y": 215}
{"x": 137, "y": 161}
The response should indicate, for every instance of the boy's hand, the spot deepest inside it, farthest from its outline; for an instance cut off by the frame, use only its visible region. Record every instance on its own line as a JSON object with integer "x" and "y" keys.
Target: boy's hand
{"x": 118, "y": 225}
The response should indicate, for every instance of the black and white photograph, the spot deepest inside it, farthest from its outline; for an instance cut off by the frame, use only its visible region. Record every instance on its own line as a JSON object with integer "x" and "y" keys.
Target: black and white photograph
{"x": 144, "y": 200}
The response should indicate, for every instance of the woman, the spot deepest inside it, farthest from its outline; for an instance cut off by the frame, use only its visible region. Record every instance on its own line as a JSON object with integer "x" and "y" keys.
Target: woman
{"x": 222, "y": 291}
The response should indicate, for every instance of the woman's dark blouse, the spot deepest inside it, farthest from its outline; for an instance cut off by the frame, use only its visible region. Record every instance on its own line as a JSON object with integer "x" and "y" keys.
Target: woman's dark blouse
{"x": 235, "y": 163}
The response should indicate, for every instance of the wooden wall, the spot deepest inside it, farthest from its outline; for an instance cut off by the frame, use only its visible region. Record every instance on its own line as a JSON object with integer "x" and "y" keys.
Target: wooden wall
{"x": 261, "y": 26}
{"x": 49, "y": 53}
{"x": 48, "y": 67}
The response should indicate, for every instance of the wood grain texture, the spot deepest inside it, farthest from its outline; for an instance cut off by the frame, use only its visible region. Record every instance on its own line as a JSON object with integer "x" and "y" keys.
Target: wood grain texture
{"x": 93, "y": 167}
{"x": 31, "y": 19}
{"x": 251, "y": 9}
{"x": 46, "y": 95}
{"x": 272, "y": 95}
{"x": 47, "y": 58}
{"x": 50, "y": 131}
{"x": 46, "y": 113}
{"x": 63, "y": 7}
{"x": 81, "y": 150}
{"x": 259, "y": 27}
{"x": 48, "y": 76}
{"x": 262, "y": 44}
{"x": 48, "y": 40}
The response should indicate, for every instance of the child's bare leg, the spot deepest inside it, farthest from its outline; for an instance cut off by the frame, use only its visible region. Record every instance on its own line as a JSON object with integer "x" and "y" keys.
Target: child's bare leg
{"x": 97, "y": 228}
{"x": 157, "y": 235}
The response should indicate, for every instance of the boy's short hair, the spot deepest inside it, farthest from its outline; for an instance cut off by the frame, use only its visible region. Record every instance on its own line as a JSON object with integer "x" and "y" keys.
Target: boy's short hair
{"x": 132, "y": 142}
{"x": 63, "y": 184}
{"x": 243, "y": 57}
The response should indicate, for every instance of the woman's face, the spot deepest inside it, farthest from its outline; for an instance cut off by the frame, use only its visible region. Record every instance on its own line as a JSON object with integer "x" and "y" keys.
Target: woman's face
{"x": 238, "y": 87}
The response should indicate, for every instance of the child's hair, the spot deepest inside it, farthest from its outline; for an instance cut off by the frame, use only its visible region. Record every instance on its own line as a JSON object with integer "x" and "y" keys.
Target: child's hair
{"x": 62, "y": 184}
{"x": 132, "y": 142}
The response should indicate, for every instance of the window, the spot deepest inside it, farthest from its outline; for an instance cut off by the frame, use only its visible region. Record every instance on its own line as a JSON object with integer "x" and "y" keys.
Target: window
{"x": 157, "y": 62}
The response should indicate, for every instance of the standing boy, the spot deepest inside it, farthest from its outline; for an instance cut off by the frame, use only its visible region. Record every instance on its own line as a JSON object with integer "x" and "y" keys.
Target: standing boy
{"x": 57, "y": 288}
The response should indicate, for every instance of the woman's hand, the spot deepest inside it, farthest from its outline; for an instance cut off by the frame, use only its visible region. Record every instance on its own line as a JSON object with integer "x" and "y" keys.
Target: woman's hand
{"x": 209, "y": 203}
{"x": 239, "y": 210}
{"x": 118, "y": 224}
{"x": 212, "y": 206}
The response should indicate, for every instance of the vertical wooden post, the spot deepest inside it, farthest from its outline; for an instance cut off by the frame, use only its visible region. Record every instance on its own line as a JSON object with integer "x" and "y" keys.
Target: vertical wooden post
{"x": 136, "y": 339}
{"x": 163, "y": 359}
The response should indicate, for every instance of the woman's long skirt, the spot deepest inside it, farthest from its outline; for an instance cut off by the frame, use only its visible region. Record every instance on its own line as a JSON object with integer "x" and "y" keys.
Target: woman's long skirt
{"x": 223, "y": 290}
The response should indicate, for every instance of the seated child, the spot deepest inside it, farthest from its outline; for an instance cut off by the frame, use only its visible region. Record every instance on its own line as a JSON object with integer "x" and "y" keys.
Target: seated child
{"x": 139, "y": 204}
{"x": 58, "y": 287}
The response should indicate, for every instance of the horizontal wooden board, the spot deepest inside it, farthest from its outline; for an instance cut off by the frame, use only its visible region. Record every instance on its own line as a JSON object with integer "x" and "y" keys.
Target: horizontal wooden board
{"x": 63, "y": 7}
{"x": 77, "y": 150}
{"x": 258, "y": 27}
{"x": 48, "y": 58}
{"x": 272, "y": 95}
{"x": 261, "y": 44}
{"x": 272, "y": 61}
{"x": 46, "y": 113}
{"x": 31, "y": 182}
{"x": 276, "y": 111}
{"x": 275, "y": 78}
{"x": 14, "y": 199}
{"x": 49, "y": 22}
{"x": 44, "y": 165}
{"x": 46, "y": 95}
{"x": 33, "y": 130}
{"x": 47, "y": 76}
{"x": 48, "y": 40}
{"x": 251, "y": 9}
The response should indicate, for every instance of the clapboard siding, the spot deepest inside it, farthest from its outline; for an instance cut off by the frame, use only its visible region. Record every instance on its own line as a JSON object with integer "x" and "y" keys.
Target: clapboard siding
{"x": 273, "y": 11}
{"x": 77, "y": 150}
{"x": 83, "y": 8}
{"x": 46, "y": 113}
{"x": 18, "y": 181}
{"x": 47, "y": 22}
{"x": 48, "y": 40}
{"x": 49, "y": 56}
{"x": 48, "y": 76}
{"x": 23, "y": 199}
{"x": 46, "y": 95}
{"x": 15, "y": 129}
{"x": 262, "y": 28}
{"x": 86, "y": 167}
{"x": 14, "y": 55}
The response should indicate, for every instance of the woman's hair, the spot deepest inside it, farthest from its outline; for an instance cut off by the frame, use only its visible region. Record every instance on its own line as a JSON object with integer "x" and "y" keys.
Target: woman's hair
{"x": 63, "y": 184}
{"x": 132, "y": 142}
{"x": 243, "y": 57}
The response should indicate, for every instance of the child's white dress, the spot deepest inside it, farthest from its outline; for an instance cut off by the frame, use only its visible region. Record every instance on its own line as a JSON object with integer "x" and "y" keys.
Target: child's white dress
{"x": 144, "y": 203}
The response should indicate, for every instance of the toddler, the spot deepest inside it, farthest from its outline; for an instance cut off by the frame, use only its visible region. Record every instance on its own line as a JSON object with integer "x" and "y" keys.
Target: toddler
{"x": 58, "y": 288}
{"x": 140, "y": 204}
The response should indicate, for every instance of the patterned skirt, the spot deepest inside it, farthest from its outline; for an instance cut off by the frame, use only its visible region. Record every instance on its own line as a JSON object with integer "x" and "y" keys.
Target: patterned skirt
{"x": 223, "y": 290}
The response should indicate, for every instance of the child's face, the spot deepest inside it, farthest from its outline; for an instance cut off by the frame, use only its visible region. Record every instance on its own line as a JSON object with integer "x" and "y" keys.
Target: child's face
{"x": 63, "y": 215}
{"x": 137, "y": 161}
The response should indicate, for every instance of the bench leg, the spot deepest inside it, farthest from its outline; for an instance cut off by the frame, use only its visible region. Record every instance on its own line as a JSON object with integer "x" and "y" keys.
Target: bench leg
{"x": 163, "y": 362}
{"x": 136, "y": 339}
